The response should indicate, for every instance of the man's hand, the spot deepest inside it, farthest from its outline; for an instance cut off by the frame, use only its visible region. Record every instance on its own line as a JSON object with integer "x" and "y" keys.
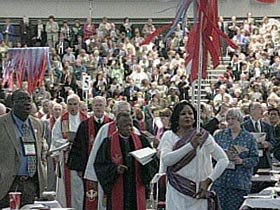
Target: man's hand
{"x": 80, "y": 174}
{"x": 156, "y": 142}
{"x": 122, "y": 169}
{"x": 265, "y": 144}
{"x": 203, "y": 187}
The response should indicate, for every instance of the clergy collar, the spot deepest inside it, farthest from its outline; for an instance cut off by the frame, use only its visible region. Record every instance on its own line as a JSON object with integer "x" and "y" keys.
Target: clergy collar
{"x": 125, "y": 138}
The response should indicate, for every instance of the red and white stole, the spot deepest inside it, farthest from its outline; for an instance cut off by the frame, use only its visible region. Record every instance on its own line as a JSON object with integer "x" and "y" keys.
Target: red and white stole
{"x": 90, "y": 200}
{"x": 118, "y": 191}
{"x": 91, "y": 131}
{"x": 40, "y": 115}
{"x": 67, "y": 176}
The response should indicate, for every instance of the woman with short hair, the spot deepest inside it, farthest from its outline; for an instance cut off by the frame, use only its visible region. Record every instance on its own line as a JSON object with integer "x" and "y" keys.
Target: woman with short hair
{"x": 241, "y": 148}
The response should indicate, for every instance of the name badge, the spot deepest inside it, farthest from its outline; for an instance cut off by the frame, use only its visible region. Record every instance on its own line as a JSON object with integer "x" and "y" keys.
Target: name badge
{"x": 260, "y": 153}
{"x": 29, "y": 149}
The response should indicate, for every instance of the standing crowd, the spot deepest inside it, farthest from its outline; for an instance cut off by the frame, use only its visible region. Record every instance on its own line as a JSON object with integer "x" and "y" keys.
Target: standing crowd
{"x": 77, "y": 142}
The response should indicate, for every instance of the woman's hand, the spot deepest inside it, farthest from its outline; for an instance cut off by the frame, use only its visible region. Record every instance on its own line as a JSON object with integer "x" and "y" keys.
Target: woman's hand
{"x": 237, "y": 160}
{"x": 197, "y": 140}
{"x": 203, "y": 187}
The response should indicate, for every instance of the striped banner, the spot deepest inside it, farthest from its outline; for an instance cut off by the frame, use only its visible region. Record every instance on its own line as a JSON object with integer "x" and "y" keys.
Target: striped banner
{"x": 267, "y": 1}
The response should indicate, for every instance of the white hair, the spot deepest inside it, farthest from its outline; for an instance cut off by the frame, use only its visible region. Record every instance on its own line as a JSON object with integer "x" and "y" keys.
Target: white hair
{"x": 100, "y": 98}
{"x": 73, "y": 97}
{"x": 119, "y": 104}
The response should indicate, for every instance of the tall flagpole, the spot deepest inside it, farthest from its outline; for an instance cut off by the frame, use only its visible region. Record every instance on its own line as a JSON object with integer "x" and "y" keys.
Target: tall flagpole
{"x": 198, "y": 163}
{"x": 199, "y": 72}
{"x": 192, "y": 99}
{"x": 90, "y": 8}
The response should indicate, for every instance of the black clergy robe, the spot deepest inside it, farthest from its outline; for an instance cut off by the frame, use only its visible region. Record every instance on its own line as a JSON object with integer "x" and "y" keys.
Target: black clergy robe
{"x": 106, "y": 171}
{"x": 79, "y": 152}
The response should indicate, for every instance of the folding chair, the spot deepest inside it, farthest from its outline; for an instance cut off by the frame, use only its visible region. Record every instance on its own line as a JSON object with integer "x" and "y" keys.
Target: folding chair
{"x": 158, "y": 190}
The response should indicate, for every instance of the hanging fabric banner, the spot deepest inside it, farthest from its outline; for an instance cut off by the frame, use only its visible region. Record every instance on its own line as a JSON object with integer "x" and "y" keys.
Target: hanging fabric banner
{"x": 28, "y": 64}
{"x": 267, "y": 1}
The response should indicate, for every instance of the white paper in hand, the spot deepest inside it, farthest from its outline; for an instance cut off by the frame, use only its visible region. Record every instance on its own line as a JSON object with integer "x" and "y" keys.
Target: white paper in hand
{"x": 144, "y": 155}
{"x": 260, "y": 137}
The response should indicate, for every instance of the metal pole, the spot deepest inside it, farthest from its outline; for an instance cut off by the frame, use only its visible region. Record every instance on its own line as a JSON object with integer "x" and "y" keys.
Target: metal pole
{"x": 198, "y": 163}
{"x": 193, "y": 86}
{"x": 90, "y": 9}
{"x": 199, "y": 75}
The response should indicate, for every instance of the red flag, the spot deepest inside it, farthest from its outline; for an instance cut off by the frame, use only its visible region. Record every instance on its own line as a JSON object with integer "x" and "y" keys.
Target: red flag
{"x": 204, "y": 28}
{"x": 267, "y": 1}
{"x": 155, "y": 33}
{"x": 209, "y": 43}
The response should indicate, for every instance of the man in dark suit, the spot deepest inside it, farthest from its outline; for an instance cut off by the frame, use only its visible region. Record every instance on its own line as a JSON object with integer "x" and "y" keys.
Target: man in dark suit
{"x": 23, "y": 152}
{"x": 80, "y": 45}
{"x": 9, "y": 33}
{"x": 257, "y": 125}
{"x": 61, "y": 46}
{"x": 130, "y": 92}
{"x": 25, "y": 31}
{"x": 274, "y": 120}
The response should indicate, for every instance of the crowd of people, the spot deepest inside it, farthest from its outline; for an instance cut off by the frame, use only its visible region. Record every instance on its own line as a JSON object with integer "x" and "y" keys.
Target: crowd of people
{"x": 138, "y": 97}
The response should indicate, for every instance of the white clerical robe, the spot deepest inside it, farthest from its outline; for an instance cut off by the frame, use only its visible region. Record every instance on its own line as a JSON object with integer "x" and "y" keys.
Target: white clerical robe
{"x": 77, "y": 186}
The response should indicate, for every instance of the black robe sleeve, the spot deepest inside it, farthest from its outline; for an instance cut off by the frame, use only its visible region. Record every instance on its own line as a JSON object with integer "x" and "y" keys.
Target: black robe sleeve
{"x": 78, "y": 155}
{"x": 105, "y": 168}
{"x": 150, "y": 169}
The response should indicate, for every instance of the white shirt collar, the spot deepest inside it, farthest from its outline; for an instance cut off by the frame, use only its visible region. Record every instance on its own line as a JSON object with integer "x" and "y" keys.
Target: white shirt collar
{"x": 101, "y": 119}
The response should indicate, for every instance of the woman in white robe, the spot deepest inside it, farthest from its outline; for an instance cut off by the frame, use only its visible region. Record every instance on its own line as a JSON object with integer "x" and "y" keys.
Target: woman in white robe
{"x": 199, "y": 170}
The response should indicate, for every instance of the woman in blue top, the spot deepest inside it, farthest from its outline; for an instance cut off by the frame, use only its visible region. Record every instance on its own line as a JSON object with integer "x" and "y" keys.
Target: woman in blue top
{"x": 242, "y": 151}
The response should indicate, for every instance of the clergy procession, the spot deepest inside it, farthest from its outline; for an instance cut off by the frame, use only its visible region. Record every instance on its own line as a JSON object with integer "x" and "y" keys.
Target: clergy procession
{"x": 108, "y": 116}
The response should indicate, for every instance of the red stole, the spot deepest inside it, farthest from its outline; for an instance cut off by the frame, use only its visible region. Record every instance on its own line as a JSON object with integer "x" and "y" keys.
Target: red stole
{"x": 67, "y": 176}
{"x": 112, "y": 128}
{"x": 40, "y": 115}
{"x": 118, "y": 191}
{"x": 90, "y": 200}
{"x": 52, "y": 122}
{"x": 65, "y": 123}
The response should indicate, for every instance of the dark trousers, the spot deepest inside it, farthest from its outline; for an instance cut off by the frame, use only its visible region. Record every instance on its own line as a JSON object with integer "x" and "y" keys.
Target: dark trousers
{"x": 28, "y": 188}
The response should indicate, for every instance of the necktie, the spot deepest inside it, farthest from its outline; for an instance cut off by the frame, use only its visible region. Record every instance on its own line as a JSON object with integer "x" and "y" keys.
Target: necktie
{"x": 257, "y": 127}
{"x": 98, "y": 124}
{"x": 31, "y": 160}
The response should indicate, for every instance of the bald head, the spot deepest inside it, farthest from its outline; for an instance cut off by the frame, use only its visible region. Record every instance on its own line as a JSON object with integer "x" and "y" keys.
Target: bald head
{"x": 3, "y": 109}
{"x": 57, "y": 110}
{"x": 122, "y": 106}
